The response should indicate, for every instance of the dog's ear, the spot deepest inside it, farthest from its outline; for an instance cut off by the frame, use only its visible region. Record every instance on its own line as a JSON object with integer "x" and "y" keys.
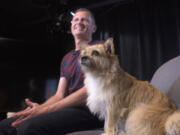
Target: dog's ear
{"x": 83, "y": 45}
{"x": 109, "y": 46}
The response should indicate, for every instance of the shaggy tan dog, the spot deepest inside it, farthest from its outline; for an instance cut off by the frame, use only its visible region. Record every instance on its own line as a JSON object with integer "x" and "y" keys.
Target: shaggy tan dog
{"x": 128, "y": 105}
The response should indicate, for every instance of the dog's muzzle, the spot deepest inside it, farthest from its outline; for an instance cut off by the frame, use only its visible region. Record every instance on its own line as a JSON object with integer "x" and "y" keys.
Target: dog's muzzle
{"x": 85, "y": 60}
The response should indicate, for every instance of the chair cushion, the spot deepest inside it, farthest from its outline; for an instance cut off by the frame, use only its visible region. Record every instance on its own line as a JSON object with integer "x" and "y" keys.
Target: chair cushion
{"x": 174, "y": 92}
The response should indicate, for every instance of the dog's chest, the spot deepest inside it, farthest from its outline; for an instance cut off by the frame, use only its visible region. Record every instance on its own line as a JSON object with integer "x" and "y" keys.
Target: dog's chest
{"x": 96, "y": 100}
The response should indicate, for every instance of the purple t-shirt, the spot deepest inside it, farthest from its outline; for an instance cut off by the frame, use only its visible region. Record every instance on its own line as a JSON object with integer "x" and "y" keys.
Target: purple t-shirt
{"x": 71, "y": 70}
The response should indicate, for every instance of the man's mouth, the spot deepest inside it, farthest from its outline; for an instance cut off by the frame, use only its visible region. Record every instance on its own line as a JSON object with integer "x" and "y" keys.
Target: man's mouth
{"x": 80, "y": 28}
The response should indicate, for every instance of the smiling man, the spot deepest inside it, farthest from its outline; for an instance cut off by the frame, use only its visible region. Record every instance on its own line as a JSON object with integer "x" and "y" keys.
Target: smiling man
{"x": 66, "y": 111}
{"x": 82, "y": 27}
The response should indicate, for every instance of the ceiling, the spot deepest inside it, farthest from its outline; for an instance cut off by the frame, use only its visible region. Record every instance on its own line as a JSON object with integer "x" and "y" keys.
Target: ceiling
{"x": 37, "y": 19}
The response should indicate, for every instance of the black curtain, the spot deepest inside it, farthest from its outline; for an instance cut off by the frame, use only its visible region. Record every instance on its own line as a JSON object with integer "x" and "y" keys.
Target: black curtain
{"x": 146, "y": 33}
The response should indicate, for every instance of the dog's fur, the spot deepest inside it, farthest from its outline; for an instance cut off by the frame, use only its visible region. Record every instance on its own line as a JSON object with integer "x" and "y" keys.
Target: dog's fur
{"x": 127, "y": 104}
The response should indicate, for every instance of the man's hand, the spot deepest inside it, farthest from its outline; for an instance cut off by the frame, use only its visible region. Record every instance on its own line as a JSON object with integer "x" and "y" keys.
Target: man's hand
{"x": 29, "y": 104}
{"x": 29, "y": 112}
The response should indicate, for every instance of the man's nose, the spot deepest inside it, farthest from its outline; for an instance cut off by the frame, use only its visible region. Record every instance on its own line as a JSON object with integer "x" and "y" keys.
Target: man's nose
{"x": 80, "y": 21}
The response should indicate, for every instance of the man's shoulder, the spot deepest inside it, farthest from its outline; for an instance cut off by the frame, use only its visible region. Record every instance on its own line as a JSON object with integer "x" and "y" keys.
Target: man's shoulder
{"x": 70, "y": 54}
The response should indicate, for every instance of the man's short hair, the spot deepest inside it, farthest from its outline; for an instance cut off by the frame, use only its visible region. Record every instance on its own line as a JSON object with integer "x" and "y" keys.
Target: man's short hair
{"x": 87, "y": 10}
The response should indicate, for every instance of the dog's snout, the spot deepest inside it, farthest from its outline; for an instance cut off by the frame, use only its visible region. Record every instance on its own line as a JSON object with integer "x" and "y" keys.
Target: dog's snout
{"x": 84, "y": 58}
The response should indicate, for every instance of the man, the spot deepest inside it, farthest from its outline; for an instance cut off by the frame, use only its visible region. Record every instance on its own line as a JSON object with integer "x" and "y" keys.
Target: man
{"x": 65, "y": 111}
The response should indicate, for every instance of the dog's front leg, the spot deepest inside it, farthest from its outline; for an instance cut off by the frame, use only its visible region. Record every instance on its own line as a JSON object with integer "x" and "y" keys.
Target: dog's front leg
{"x": 111, "y": 122}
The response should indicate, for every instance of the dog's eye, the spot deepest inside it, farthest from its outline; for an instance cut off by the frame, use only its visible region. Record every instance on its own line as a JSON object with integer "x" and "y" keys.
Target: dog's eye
{"x": 95, "y": 53}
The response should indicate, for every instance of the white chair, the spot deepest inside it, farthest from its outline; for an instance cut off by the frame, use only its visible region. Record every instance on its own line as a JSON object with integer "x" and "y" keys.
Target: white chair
{"x": 167, "y": 79}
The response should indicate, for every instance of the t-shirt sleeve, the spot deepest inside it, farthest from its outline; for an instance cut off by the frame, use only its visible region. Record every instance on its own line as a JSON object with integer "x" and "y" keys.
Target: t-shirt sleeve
{"x": 63, "y": 67}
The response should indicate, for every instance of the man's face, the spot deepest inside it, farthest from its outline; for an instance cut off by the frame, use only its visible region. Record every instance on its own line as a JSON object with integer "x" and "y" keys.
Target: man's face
{"x": 82, "y": 24}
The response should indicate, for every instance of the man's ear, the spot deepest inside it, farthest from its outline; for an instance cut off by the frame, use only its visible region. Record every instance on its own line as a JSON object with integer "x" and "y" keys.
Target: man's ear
{"x": 109, "y": 46}
{"x": 83, "y": 46}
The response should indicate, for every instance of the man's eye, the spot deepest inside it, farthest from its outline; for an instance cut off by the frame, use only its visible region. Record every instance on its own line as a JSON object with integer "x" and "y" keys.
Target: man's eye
{"x": 85, "y": 20}
{"x": 75, "y": 20}
{"x": 95, "y": 53}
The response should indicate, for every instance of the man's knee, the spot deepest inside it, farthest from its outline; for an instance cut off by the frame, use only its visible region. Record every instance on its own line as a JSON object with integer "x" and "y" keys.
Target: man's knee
{"x": 31, "y": 126}
{"x": 6, "y": 128}
{"x": 27, "y": 127}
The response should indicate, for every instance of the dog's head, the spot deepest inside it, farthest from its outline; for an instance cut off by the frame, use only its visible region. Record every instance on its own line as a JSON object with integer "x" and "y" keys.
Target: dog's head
{"x": 97, "y": 58}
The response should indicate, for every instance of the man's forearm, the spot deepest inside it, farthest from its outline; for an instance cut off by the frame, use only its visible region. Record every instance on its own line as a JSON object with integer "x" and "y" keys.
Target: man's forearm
{"x": 77, "y": 98}
{"x": 54, "y": 99}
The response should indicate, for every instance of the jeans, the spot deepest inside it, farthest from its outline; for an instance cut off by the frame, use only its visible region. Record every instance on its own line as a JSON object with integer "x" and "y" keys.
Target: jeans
{"x": 58, "y": 122}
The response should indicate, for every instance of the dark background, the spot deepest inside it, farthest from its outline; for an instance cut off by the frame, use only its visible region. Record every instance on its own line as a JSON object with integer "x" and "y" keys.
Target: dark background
{"x": 35, "y": 35}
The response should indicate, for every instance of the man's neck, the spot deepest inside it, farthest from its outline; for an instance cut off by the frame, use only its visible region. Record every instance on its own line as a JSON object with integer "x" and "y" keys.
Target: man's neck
{"x": 78, "y": 41}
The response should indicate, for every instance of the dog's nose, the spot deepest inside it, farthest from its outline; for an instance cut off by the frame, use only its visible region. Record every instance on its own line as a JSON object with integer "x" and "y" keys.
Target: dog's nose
{"x": 84, "y": 58}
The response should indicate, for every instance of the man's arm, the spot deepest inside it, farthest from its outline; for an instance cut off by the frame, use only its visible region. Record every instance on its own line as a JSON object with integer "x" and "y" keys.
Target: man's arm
{"x": 77, "y": 98}
{"x": 59, "y": 100}
{"x": 60, "y": 93}
{"x": 56, "y": 102}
